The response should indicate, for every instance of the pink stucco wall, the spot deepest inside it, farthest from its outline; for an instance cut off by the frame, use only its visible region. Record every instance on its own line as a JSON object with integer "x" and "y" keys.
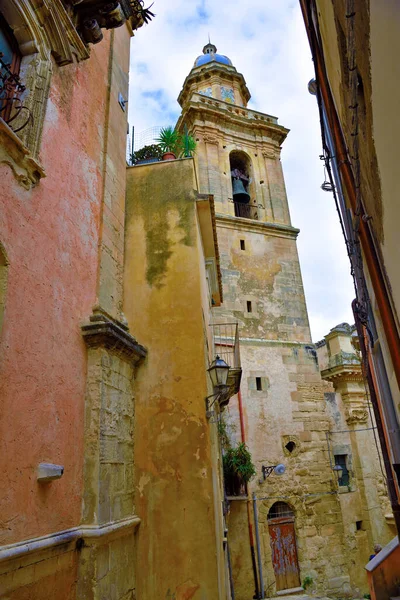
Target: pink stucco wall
{"x": 50, "y": 235}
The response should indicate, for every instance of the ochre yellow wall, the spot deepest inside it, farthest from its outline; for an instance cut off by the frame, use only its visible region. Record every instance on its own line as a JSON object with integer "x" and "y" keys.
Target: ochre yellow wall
{"x": 166, "y": 305}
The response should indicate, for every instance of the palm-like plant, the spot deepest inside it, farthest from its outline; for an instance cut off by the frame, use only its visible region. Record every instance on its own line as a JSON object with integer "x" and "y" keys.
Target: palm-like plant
{"x": 168, "y": 140}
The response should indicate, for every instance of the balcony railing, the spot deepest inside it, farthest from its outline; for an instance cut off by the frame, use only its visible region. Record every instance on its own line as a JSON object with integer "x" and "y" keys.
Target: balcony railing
{"x": 245, "y": 211}
{"x": 226, "y": 346}
{"x": 12, "y": 110}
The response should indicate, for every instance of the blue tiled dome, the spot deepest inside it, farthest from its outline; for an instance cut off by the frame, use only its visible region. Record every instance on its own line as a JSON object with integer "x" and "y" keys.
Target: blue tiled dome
{"x": 209, "y": 55}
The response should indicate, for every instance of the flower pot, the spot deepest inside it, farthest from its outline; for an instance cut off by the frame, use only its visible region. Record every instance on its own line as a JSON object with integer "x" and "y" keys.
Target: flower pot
{"x": 169, "y": 156}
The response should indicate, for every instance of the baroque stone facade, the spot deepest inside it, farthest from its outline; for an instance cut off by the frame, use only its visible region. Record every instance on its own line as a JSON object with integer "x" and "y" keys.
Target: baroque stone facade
{"x": 283, "y": 413}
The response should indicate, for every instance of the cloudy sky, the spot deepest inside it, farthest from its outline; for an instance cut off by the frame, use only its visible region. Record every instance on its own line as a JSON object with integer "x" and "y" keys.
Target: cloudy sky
{"x": 266, "y": 41}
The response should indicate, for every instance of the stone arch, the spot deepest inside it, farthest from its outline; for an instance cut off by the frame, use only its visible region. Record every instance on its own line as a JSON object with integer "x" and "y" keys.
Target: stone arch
{"x": 3, "y": 283}
{"x": 240, "y": 162}
{"x": 281, "y": 509}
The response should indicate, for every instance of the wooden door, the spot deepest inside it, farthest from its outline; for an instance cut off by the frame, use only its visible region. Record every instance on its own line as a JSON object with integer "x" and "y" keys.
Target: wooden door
{"x": 284, "y": 554}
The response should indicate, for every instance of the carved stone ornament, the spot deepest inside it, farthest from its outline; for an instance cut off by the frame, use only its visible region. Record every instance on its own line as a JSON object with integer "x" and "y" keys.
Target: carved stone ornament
{"x": 102, "y": 331}
{"x": 210, "y": 139}
{"x": 269, "y": 154}
{"x": 356, "y": 415}
{"x": 64, "y": 40}
{"x": 26, "y": 169}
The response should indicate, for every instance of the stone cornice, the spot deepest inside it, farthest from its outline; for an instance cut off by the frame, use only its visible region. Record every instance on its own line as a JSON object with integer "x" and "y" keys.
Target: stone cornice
{"x": 104, "y": 332}
{"x": 227, "y": 113}
{"x": 344, "y": 372}
{"x": 276, "y": 229}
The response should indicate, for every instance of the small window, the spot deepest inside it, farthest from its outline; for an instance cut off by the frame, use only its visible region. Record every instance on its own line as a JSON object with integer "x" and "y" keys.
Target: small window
{"x": 279, "y": 510}
{"x": 359, "y": 526}
{"x": 249, "y": 308}
{"x": 290, "y": 446}
{"x": 258, "y": 384}
{"x": 341, "y": 460}
{"x": 242, "y": 245}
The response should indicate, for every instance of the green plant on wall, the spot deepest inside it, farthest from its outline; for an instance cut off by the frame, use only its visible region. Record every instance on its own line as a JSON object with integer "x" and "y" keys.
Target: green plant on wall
{"x": 307, "y": 582}
{"x": 182, "y": 145}
{"x": 187, "y": 144}
{"x": 169, "y": 140}
{"x": 238, "y": 468}
{"x": 223, "y": 434}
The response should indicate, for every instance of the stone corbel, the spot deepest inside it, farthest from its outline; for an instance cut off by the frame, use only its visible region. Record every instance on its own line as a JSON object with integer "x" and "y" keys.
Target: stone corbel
{"x": 356, "y": 415}
{"x": 13, "y": 152}
{"x": 102, "y": 331}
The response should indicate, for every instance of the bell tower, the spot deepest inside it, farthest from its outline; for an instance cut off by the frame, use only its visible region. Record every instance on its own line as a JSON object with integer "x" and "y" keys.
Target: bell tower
{"x": 281, "y": 412}
{"x": 238, "y": 161}
{"x": 238, "y": 149}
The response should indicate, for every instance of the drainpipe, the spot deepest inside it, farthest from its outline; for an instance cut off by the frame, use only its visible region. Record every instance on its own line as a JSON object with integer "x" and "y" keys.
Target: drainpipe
{"x": 258, "y": 546}
{"x": 251, "y": 538}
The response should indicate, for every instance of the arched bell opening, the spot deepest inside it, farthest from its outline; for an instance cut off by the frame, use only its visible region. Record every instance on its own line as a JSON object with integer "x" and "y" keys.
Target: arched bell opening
{"x": 282, "y": 536}
{"x": 241, "y": 177}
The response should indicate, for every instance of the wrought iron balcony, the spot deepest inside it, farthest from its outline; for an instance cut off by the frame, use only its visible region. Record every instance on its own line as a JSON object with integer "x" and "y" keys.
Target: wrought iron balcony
{"x": 226, "y": 346}
{"x": 12, "y": 111}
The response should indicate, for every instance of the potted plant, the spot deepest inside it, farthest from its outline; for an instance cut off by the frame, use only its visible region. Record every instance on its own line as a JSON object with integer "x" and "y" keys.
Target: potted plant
{"x": 169, "y": 142}
{"x": 238, "y": 469}
{"x": 149, "y": 153}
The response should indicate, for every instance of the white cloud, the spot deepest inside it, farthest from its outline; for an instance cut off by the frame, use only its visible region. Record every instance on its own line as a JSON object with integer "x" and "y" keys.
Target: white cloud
{"x": 266, "y": 41}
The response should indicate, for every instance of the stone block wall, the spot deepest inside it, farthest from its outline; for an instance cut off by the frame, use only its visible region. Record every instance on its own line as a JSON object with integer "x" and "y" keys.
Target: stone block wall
{"x": 109, "y": 422}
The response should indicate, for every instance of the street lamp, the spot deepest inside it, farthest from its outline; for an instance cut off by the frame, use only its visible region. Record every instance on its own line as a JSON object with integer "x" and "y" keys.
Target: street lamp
{"x": 277, "y": 469}
{"x": 338, "y": 472}
{"x": 218, "y": 372}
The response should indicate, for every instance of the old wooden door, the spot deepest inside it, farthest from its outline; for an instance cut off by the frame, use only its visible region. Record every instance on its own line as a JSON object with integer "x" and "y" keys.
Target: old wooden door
{"x": 284, "y": 554}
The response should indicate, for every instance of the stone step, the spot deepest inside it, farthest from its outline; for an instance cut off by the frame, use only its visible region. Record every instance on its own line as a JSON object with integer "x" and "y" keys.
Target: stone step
{"x": 289, "y": 592}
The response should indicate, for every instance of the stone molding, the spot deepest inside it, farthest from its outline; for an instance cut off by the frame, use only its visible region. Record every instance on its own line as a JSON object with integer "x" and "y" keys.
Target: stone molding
{"x": 229, "y": 114}
{"x": 26, "y": 168}
{"x": 102, "y": 331}
{"x": 276, "y": 229}
{"x": 91, "y": 534}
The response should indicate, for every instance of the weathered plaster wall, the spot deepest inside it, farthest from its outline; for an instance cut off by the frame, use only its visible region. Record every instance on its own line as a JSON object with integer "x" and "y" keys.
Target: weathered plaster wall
{"x": 165, "y": 306}
{"x": 51, "y": 235}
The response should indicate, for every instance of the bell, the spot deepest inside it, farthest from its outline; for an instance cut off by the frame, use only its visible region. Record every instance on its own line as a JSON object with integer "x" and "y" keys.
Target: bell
{"x": 239, "y": 191}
